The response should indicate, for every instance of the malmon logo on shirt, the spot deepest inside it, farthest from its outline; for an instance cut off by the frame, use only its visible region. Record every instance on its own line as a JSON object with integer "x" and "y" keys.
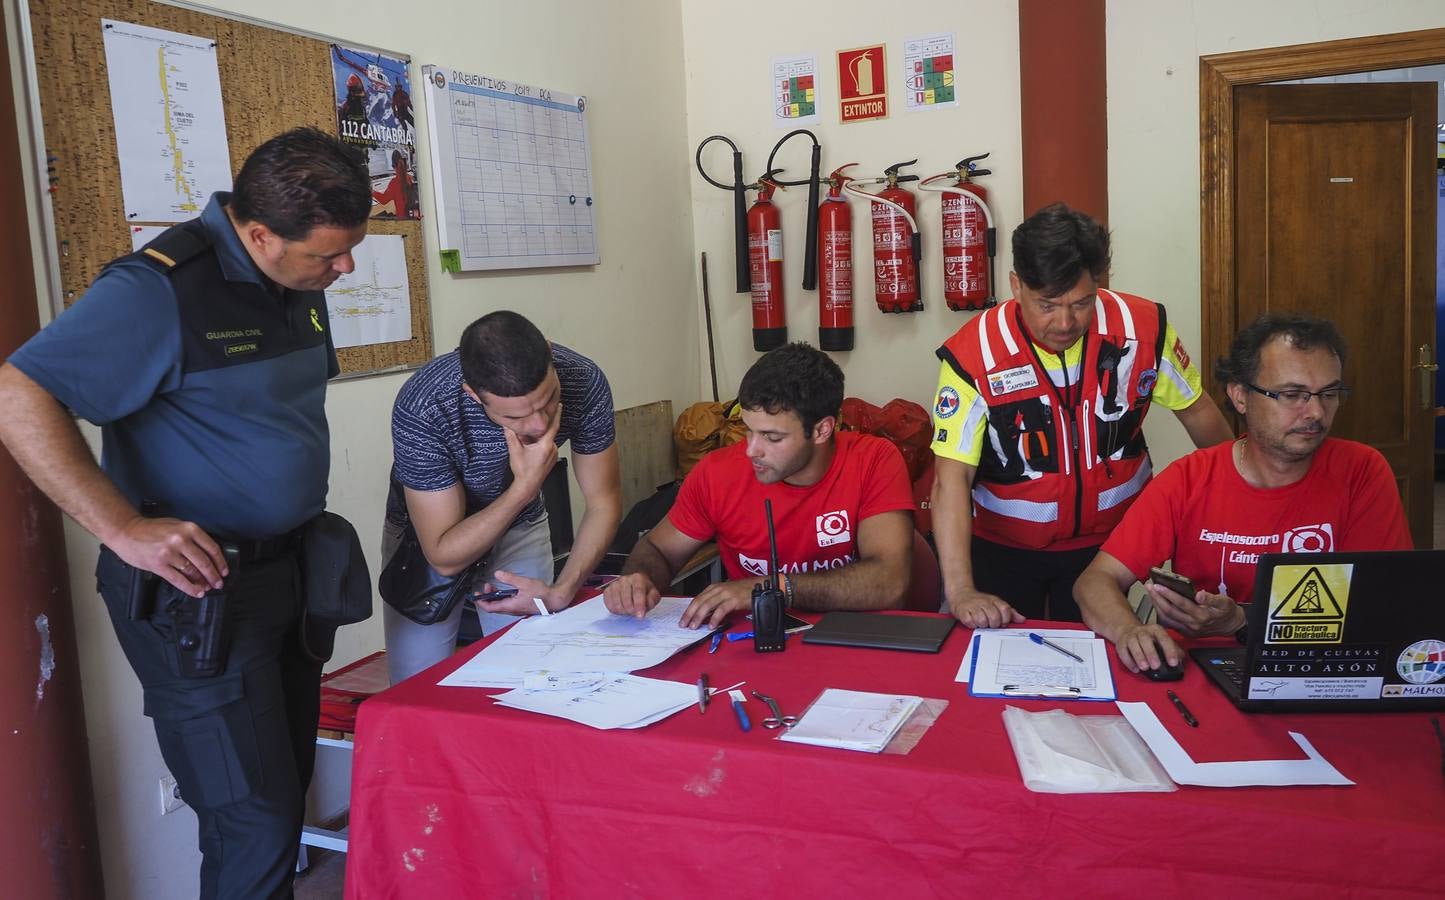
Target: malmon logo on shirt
{"x": 833, "y": 528}
{"x": 758, "y": 567}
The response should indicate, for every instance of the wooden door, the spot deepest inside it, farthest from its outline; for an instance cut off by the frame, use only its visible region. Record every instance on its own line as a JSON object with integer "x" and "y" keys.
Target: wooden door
{"x": 1335, "y": 215}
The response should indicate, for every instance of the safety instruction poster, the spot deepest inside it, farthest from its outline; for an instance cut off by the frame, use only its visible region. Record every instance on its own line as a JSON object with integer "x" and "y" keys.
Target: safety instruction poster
{"x": 795, "y": 98}
{"x": 511, "y": 171}
{"x": 928, "y": 77}
{"x": 374, "y": 116}
{"x": 170, "y": 129}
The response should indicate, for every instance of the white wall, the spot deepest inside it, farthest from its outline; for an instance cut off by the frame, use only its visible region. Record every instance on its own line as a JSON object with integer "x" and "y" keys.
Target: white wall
{"x": 1153, "y": 51}
{"x": 729, "y": 49}
{"x": 635, "y": 314}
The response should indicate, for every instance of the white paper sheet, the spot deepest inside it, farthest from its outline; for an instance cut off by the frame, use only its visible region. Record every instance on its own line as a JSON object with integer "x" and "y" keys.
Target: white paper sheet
{"x": 1184, "y": 770}
{"x": 1009, "y": 664}
{"x": 852, "y": 720}
{"x": 582, "y": 638}
{"x": 967, "y": 665}
{"x": 617, "y": 701}
{"x": 372, "y": 303}
{"x": 170, "y": 127}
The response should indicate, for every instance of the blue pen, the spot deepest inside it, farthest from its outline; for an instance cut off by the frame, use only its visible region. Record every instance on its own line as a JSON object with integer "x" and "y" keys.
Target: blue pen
{"x": 1040, "y": 639}
{"x": 738, "y": 701}
{"x": 739, "y": 636}
{"x": 716, "y": 640}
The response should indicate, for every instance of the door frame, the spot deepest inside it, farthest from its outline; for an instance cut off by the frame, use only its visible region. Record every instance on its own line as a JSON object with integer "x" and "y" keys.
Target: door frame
{"x": 1219, "y": 75}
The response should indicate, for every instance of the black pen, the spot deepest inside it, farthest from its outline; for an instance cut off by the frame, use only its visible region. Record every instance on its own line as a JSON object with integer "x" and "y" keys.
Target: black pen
{"x": 1183, "y": 710}
{"x": 702, "y": 693}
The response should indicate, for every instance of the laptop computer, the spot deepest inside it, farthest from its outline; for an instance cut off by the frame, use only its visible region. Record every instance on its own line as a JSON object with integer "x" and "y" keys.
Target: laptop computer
{"x": 881, "y": 631}
{"x": 1339, "y": 632}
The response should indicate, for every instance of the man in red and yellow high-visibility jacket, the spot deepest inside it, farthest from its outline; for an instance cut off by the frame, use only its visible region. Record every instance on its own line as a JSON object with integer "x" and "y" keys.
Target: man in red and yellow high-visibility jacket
{"x": 1038, "y": 424}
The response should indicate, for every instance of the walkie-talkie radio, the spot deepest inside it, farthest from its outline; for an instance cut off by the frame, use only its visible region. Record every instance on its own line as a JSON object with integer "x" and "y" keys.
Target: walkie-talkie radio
{"x": 768, "y": 600}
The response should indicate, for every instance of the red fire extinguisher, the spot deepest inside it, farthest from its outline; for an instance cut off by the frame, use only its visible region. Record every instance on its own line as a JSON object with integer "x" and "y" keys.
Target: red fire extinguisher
{"x": 969, "y": 236}
{"x": 897, "y": 246}
{"x": 835, "y": 259}
{"x": 765, "y": 267}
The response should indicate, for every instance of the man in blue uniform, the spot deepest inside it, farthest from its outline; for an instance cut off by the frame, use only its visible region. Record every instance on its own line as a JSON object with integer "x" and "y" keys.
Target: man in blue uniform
{"x": 204, "y": 358}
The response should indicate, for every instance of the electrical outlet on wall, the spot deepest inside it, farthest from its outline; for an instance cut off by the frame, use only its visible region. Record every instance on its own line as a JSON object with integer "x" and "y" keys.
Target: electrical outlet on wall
{"x": 170, "y": 795}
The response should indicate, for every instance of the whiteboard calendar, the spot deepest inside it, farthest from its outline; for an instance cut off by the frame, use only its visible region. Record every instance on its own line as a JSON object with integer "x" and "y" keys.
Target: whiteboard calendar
{"x": 512, "y": 173}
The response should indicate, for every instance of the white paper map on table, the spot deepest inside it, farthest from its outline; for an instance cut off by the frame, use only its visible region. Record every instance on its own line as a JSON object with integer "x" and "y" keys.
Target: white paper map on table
{"x": 170, "y": 127}
{"x": 583, "y": 638}
{"x": 511, "y": 172}
{"x": 372, "y": 303}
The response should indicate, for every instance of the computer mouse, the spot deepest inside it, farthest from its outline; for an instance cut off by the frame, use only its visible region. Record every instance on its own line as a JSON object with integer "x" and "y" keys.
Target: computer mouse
{"x": 1165, "y": 672}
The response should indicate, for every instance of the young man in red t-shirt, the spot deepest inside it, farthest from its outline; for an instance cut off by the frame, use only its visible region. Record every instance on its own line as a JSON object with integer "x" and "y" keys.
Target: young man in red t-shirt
{"x": 1284, "y": 487}
{"x": 841, "y": 505}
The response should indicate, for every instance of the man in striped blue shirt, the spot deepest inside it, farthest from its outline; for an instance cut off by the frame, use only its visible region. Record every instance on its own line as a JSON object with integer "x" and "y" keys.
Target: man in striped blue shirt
{"x": 474, "y": 434}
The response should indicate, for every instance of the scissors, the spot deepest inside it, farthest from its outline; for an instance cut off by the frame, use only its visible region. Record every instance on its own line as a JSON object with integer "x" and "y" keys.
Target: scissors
{"x": 777, "y": 719}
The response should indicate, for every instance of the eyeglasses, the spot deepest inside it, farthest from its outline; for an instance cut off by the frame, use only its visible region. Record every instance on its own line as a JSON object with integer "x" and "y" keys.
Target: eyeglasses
{"x": 1298, "y": 398}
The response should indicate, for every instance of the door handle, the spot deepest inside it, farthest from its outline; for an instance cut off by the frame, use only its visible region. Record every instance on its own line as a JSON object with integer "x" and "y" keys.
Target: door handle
{"x": 1426, "y": 366}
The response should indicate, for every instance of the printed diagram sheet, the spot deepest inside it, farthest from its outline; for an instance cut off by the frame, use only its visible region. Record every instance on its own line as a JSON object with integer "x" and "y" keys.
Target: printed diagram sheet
{"x": 372, "y": 304}
{"x": 170, "y": 128}
{"x": 610, "y": 701}
{"x": 584, "y": 638}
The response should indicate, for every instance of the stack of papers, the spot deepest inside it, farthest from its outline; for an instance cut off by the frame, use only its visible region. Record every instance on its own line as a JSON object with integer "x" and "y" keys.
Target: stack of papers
{"x": 610, "y": 701}
{"x": 1008, "y": 663}
{"x": 853, "y": 720}
{"x": 583, "y": 638}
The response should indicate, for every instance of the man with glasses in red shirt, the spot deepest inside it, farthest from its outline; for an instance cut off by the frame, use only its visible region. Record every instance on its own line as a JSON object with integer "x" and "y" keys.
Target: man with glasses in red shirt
{"x": 1285, "y": 487}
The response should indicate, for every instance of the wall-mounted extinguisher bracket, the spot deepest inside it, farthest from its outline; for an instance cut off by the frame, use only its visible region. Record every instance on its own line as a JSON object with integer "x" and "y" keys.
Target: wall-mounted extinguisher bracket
{"x": 969, "y": 237}
{"x": 810, "y": 239}
{"x": 740, "y": 202}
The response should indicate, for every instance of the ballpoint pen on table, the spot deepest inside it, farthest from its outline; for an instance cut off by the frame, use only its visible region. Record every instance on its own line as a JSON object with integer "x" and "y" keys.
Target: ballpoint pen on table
{"x": 702, "y": 693}
{"x": 716, "y": 640}
{"x": 1183, "y": 710}
{"x": 738, "y": 701}
{"x": 1040, "y": 639}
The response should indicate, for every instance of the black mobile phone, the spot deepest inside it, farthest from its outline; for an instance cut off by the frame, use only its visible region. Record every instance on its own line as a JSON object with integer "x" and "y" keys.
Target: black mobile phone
{"x": 498, "y": 594}
{"x": 1173, "y": 581}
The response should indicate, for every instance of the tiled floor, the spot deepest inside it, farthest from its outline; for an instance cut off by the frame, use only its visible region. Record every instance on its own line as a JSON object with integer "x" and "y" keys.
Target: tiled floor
{"x": 326, "y": 877}
{"x": 1440, "y": 515}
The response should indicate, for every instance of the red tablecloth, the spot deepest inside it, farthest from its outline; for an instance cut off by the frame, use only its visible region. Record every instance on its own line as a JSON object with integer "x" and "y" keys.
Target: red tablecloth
{"x": 453, "y": 796}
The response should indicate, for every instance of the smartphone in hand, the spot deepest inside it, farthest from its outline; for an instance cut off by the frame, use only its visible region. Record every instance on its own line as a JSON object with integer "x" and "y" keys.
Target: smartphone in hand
{"x": 500, "y": 593}
{"x": 1173, "y": 581}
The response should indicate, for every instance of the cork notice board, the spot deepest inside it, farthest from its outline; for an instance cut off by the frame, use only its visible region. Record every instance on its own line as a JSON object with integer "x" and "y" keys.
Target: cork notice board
{"x": 271, "y": 80}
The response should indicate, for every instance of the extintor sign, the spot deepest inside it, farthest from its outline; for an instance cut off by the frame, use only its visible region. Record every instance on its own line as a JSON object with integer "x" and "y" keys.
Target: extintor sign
{"x": 862, "y": 88}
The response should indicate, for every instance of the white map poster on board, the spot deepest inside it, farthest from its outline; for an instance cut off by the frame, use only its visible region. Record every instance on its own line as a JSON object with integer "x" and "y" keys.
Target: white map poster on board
{"x": 372, "y": 304}
{"x": 170, "y": 129}
{"x": 511, "y": 172}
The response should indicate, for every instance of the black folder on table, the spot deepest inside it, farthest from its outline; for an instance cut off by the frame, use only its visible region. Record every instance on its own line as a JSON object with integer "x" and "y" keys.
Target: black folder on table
{"x": 886, "y": 632}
